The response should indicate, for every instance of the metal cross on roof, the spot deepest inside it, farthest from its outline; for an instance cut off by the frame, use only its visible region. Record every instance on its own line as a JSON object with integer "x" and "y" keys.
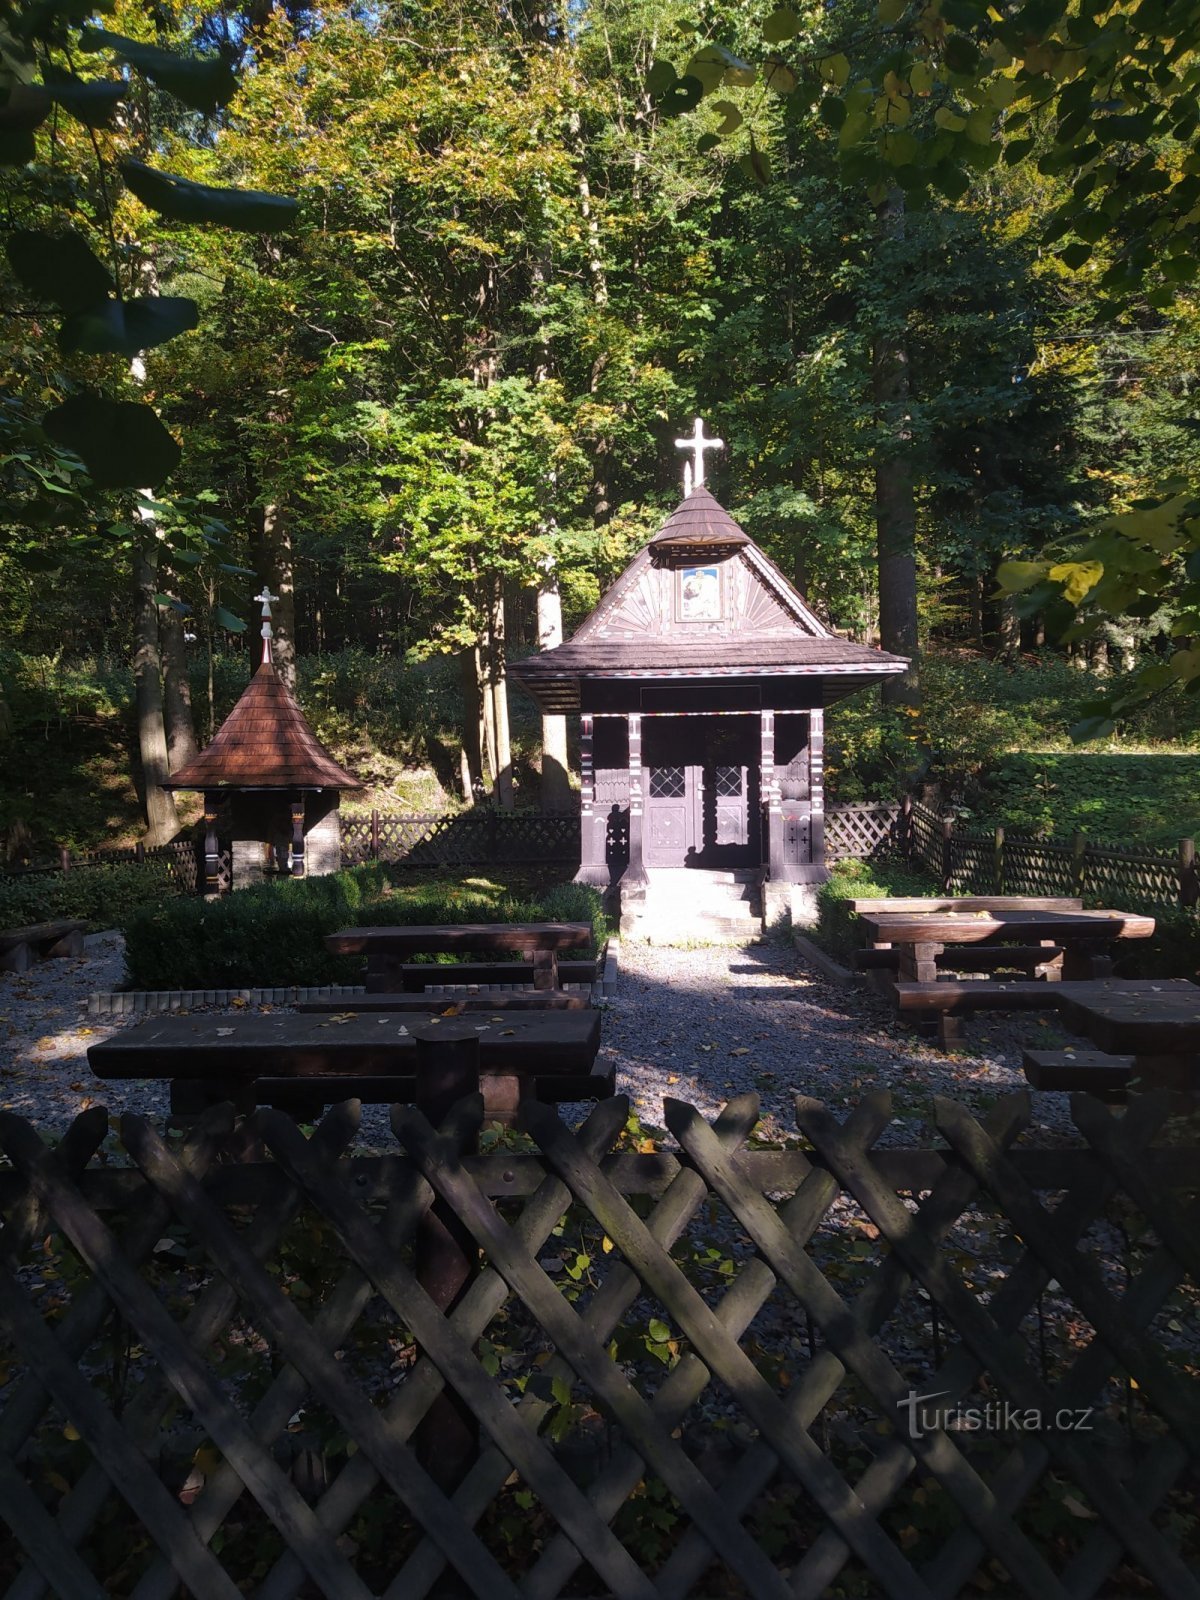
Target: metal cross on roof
{"x": 693, "y": 475}
{"x": 266, "y": 597}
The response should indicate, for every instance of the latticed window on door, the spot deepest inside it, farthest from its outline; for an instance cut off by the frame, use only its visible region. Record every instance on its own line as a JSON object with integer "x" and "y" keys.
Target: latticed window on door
{"x": 728, "y": 782}
{"x": 666, "y": 783}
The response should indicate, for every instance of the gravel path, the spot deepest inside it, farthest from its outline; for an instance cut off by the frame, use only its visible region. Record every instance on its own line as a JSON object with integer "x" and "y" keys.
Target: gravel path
{"x": 699, "y": 1024}
{"x": 704, "y": 1024}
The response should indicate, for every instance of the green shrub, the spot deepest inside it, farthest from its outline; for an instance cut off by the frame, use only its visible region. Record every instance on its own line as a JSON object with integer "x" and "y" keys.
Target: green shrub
{"x": 272, "y": 935}
{"x": 102, "y": 896}
{"x": 861, "y": 880}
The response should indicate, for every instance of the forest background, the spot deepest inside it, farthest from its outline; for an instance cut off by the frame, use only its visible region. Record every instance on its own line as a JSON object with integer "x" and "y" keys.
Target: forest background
{"x": 435, "y": 409}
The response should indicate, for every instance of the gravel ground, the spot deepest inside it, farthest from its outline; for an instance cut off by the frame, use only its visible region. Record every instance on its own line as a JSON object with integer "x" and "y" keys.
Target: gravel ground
{"x": 699, "y": 1024}
{"x": 707, "y": 1023}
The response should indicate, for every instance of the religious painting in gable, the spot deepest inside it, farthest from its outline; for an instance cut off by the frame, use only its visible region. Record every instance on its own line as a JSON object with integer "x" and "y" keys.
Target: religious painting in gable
{"x": 699, "y": 594}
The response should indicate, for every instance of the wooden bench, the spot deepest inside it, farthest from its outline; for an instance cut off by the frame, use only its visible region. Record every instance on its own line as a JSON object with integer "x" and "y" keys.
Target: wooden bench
{"x": 1102, "y": 1075}
{"x": 945, "y": 1001}
{"x": 539, "y": 943}
{"x": 305, "y": 1061}
{"x": 908, "y": 904}
{"x": 21, "y": 947}
{"x": 416, "y": 976}
{"x": 962, "y": 958}
{"x": 485, "y": 1000}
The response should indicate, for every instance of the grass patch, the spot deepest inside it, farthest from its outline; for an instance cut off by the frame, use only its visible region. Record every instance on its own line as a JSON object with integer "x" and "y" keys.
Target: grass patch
{"x": 1151, "y": 798}
{"x": 836, "y": 931}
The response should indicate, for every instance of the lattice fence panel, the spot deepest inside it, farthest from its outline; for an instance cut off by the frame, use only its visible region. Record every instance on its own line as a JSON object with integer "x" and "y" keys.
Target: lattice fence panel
{"x": 718, "y": 1374}
{"x": 1118, "y": 876}
{"x": 972, "y": 865}
{"x": 1036, "y": 866}
{"x": 863, "y": 830}
{"x": 926, "y": 828}
{"x": 469, "y": 838}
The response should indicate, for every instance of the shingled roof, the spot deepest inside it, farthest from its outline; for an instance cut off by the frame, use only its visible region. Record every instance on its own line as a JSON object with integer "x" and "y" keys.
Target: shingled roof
{"x": 762, "y": 626}
{"x": 699, "y": 520}
{"x": 264, "y": 743}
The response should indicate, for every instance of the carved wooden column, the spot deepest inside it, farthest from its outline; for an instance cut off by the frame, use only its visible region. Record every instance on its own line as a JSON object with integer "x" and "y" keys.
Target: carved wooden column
{"x": 635, "y": 872}
{"x": 212, "y": 848}
{"x": 298, "y": 836}
{"x": 591, "y": 838}
{"x": 772, "y": 809}
{"x": 816, "y": 779}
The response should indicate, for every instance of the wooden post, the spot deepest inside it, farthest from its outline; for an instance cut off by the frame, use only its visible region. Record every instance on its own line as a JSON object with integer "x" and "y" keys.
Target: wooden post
{"x": 947, "y": 854}
{"x": 592, "y": 865}
{"x": 1078, "y": 862}
{"x": 139, "y": 853}
{"x": 635, "y": 872}
{"x": 298, "y": 836}
{"x": 374, "y": 833}
{"x": 1189, "y": 883}
{"x": 447, "y": 1259}
{"x": 772, "y": 810}
{"x": 906, "y": 827}
{"x": 998, "y": 861}
{"x": 816, "y": 783}
{"x": 212, "y": 853}
{"x": 64, "y": 859}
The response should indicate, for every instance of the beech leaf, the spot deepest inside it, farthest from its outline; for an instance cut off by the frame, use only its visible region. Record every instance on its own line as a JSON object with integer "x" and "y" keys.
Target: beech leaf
{"x": 124, "y": 327}
{"x": 122, "y": 443}
{"x": 181, "y": 200}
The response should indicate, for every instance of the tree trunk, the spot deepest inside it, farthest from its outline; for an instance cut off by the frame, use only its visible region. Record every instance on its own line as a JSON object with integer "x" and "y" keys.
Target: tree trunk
{"x": 273, "y": 557}
{"x": 162, "y": 819}
{"x": 177, "y": 689}
{"x": 1009, "y": 630}
{"x": 895, "y": 507}
{"x": 498, "y": 686}
{"x": 474, "y": 735}
{"x": 556, "y": 781}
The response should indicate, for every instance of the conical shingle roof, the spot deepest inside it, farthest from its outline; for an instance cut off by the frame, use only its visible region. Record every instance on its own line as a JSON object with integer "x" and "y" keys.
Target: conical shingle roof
{"x": 264, "y": 743}
{"x": 699, "y": 519}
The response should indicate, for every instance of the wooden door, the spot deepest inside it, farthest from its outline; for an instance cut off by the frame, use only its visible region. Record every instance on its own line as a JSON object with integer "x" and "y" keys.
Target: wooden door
{"x": 674, "y": 786}
{"x": 731, "y": 830}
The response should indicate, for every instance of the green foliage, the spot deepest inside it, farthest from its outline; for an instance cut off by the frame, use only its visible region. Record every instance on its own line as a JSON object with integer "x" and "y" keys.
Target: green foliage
{"x": 272, "y": 935}
{"x": 122, "y": 443}
{"x": 861, "y": 880}
{"x": 103, "y": 896}
{"x": 1148, "y": 799}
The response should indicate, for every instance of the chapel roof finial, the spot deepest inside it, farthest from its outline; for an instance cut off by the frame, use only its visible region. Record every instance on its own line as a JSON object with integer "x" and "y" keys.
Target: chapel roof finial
{"x": 697, "y": 444}
{"x": 266, "y": 597}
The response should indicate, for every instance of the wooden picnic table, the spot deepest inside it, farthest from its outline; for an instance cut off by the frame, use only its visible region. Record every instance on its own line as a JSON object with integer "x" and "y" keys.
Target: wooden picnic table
{"x": 277, "y": 1057}
{"x": 1086, "y": 937}
{"x": 1146, "y": 1029}
{"x": 387, "y": 948}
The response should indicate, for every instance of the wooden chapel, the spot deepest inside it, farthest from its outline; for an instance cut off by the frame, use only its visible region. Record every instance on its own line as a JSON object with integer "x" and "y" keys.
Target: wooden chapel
{"x": 701, "y": 681}
{"x": 270, "y": 786}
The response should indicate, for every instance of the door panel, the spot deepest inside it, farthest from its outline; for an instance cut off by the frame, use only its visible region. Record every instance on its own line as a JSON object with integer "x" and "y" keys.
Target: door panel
{"x": 701, "y": 791}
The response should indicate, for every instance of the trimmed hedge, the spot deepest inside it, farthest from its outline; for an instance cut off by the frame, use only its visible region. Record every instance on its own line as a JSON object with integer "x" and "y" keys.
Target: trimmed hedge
{"x": 103, "y": 896}
{"x": 272, "y": 935}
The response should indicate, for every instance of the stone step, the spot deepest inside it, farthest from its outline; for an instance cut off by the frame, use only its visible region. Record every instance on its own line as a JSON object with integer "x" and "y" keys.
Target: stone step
{"x": 695, "y": 875}
{"x": 731, "y": 894}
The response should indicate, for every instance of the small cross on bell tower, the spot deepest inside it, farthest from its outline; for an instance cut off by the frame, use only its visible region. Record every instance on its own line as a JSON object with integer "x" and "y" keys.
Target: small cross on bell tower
{"x": 697, "y": 444}
{"x": 266, "y": 597}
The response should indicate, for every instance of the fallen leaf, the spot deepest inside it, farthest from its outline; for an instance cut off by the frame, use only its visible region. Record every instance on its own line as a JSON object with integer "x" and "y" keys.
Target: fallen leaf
{"x": 740, "y": 1051}
{"x": 1077, "y": 1507}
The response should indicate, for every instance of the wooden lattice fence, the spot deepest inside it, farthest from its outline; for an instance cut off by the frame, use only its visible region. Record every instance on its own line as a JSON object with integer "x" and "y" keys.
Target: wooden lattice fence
{"x": 978, "y": 861}
{"x": 470, "y": 838}
{"x": 863, "y": 830}
{"x": 739, "y": 1371}
{"x": 181, "y": 857}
